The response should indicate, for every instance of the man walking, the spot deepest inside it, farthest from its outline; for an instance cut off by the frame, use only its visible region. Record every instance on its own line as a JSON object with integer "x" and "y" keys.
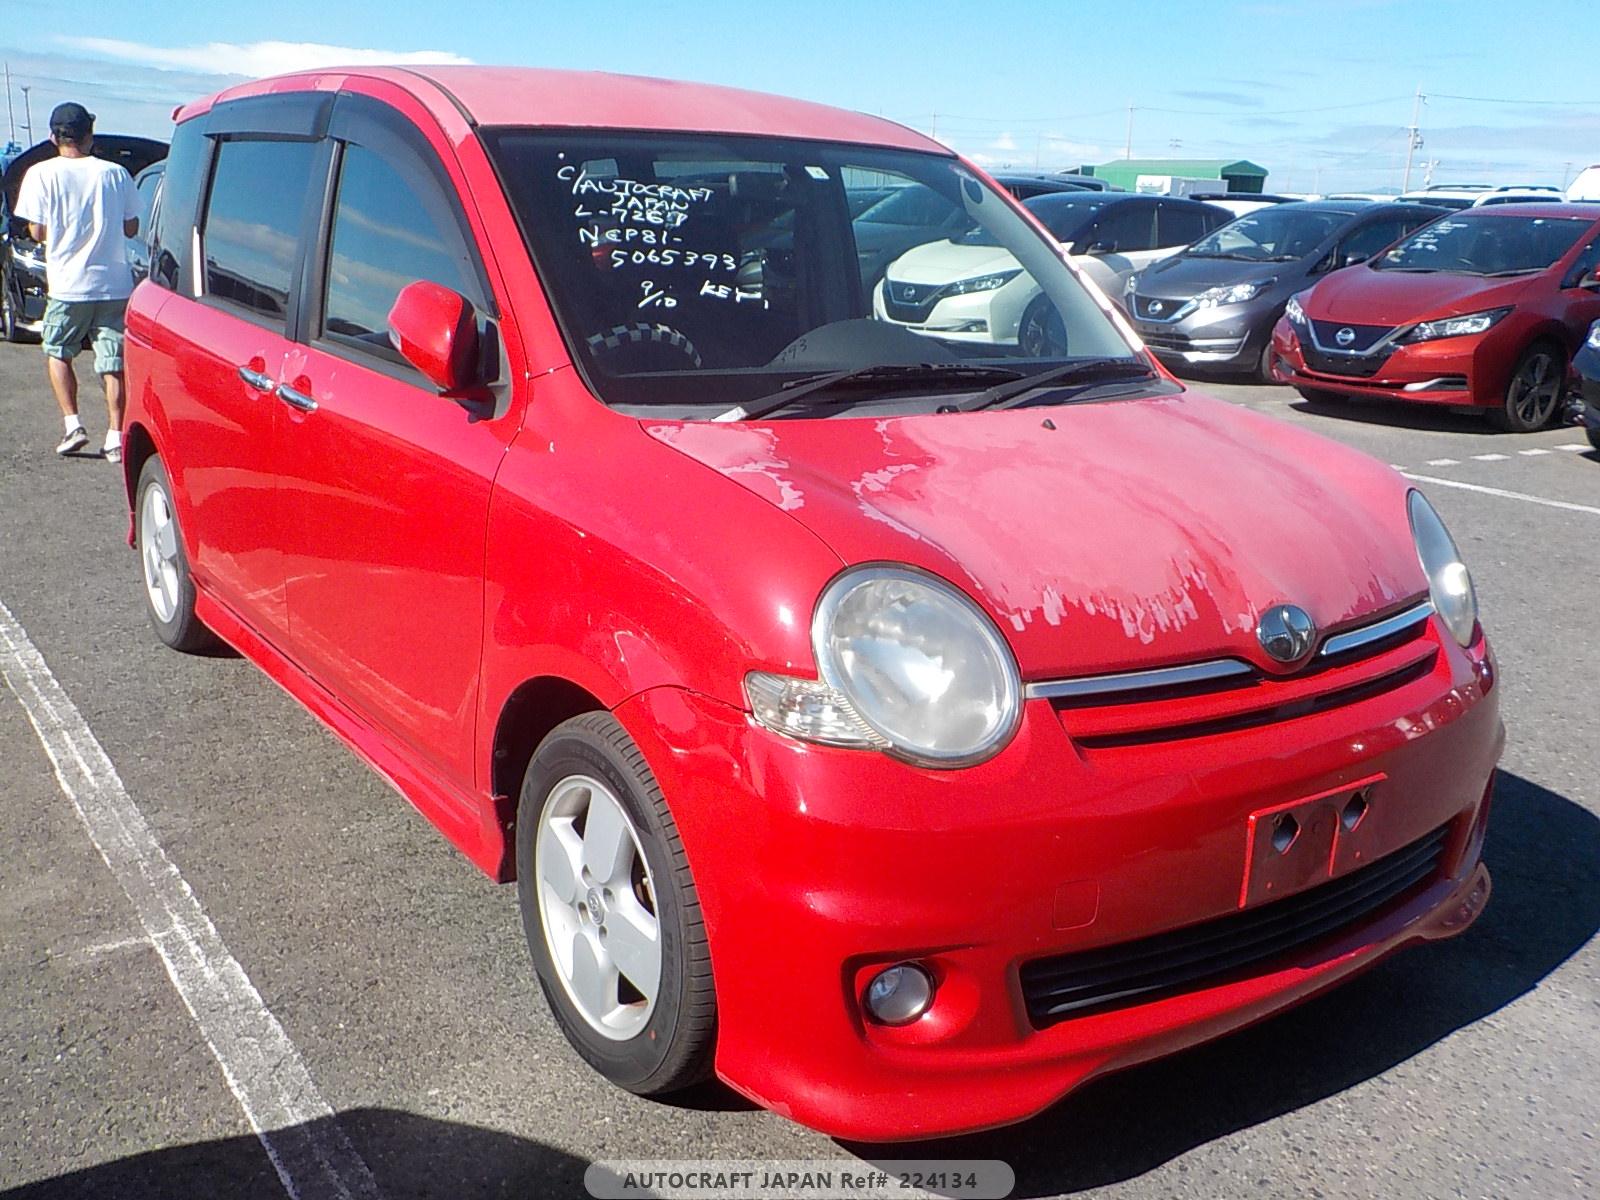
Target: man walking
{"x": 82, "y": 208}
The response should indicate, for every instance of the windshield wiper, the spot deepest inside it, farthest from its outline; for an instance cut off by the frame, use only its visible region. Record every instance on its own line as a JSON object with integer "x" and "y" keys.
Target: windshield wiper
{"x": 1088, "y": 371}
{"x": 1516, "y": 271}
{"x": 882, "y": 373}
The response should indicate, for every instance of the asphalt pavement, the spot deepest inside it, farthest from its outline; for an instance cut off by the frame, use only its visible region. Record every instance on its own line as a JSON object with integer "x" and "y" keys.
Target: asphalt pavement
{"x": 398, "y": 979}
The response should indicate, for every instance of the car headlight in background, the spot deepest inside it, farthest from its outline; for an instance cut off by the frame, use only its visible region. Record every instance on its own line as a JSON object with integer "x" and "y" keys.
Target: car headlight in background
{"x": 1594, "y": 336}
{"x": 1292, "y": 310}
{"x": 1463, "y": 326}
{"x": 909, "y": 665}
{"x": 1449, "y": 582}
{"x": 981, "y": 283}
{"x": 1236, "y": 293}
{"x": 32, "y": 259}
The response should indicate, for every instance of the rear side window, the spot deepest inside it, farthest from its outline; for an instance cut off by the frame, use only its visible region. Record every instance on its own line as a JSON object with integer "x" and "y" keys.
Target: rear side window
{"x": 1369, "y": 239}
{"x": 1125, "y": 228}
{"x": 388, "y": 231}
{"x": 173, "y": 218}
{"x": 1182, "y": 224}
{"x": 252, "y": 227}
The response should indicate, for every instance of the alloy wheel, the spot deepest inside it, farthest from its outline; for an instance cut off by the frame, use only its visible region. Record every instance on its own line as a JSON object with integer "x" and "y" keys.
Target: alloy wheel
{"x": 597, "y": 907}
{"x": 158, "y": 551}
{"x": 1535, "y": 390}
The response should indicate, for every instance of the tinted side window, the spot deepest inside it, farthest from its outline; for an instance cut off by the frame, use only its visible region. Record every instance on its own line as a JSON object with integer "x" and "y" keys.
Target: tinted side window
{"x": 174, "y": 217}
{"x": 1126, "y": 227}
{"x": 1369, "y": 239}
{"x": 388, "y": 231}
{"x": 251, "y": 232}
{"x": 1180, "y": 225}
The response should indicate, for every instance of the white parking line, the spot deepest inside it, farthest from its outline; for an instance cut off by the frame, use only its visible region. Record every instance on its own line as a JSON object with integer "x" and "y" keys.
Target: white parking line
{"x": 1501, "y": 492}
{"x": 1444, "y": 462}
{"x": 1578, "y": 446}
{"x": 310, "y": 1152}
{"x": 1489, "y": 458}
{"x": 1531, "y": 453}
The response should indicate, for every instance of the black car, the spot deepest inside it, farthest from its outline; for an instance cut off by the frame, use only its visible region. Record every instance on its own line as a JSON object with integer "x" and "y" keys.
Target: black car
{"x": 22, "y": 281}
{"x": 148, "y": 184}
{"x": 1026, "y": 186}
{"x": 1587, "y": 363}
{"x": 1214, "y": 304}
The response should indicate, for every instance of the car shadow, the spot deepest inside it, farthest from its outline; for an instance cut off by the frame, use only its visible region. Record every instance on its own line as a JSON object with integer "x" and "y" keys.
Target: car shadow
{"x": 1424, "y": 417}
{"x": 1544, "y": 853}
{"x": 410, "y": 1157}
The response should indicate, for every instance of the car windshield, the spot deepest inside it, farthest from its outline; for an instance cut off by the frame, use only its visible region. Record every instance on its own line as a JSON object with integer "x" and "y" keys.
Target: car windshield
{"x": 1064, "y": 214}
{"x": 1485, "y": 245}
{"x": 694, "y": 273}
{"x": 1280, "y": 233}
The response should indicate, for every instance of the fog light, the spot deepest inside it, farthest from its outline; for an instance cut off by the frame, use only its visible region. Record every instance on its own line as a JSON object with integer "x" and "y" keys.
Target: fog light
{"x": 899, "y": 994}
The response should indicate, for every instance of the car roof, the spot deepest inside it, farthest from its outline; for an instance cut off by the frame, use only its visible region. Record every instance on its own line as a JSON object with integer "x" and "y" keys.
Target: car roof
{"x": 1532, "y": 208}
{"x": 541, "y": 97}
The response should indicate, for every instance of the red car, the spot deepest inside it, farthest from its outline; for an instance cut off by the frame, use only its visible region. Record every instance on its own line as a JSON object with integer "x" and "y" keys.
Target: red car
{"x": 906, "y": 730}
{"x": 1483, "y": 308}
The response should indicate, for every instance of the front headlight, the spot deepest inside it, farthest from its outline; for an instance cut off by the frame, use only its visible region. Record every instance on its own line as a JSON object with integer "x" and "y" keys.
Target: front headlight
{"x": 1449, "y": 582}
{"x": 1464, "y": 326}
{"x": 1236, "y": 293}
{"x": 1594, "y": 336}
{"x": 1292, "y": 310}
{"x": 981, "y": 283}
{"x": 32, "y": 259}
{"x": 909, "y": 665}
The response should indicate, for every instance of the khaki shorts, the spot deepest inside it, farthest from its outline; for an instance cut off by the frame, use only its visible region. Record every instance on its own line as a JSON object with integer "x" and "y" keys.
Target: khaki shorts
{"x": 67, "y": 323}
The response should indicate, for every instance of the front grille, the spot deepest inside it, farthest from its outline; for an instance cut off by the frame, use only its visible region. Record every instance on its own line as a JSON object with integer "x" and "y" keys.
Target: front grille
{"x": 1359, "y": 366}
{"x": 1070, "y": 985}
{"x": 1157, "y": 308}
{"x": 911, "y": 302}
{"x": 1362, "y": 337}
{"x": 1166, "y": 341}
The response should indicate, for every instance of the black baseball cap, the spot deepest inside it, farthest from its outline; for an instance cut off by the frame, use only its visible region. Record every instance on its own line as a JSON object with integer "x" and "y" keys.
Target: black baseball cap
{"x": 73, "y": 120}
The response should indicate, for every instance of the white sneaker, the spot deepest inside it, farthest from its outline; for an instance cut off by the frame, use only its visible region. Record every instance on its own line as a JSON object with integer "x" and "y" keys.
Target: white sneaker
{"x": 113, "y": 454}
{"x": 76, "y": 440}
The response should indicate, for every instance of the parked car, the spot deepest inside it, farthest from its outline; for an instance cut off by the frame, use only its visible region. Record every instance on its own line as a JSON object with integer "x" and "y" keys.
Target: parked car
{"x": 1587, "y": 364}
{"x": 1025, "y": 186}
{"x": 1453, "y": 196}
{"x": 1213, "y": 305}
{"x": 1369, "y": 197}
{"x": 1531, "y": 194}
{"x": 1586, "y": 186}
{"x": 1089, "y": 183}
{"x": 971, "y": 288}
{"x": 22, "y": 270}
{"x": 1482, "y": 308}
{"x": 906, "y": 732}
{"x": 148, "y": 184}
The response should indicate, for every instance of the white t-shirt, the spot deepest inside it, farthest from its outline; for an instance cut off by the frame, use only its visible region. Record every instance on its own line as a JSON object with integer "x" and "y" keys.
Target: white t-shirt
{"x": 82, "y": 203}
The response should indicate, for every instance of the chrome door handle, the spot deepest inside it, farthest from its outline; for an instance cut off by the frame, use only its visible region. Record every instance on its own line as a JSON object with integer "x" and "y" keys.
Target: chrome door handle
{"x": 260, "y": 380}
{"x": 296, "y": 399}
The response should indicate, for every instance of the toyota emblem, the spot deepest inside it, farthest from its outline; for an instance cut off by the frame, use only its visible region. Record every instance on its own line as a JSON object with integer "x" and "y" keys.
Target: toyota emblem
{"x": 1287, "y": 633}
{"x": 1345, "y": 336}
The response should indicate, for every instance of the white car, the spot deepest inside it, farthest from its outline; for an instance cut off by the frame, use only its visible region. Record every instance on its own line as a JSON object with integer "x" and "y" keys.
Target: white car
{"x": 1586, "y": 186}
{"x": 966, "y": 288}
{"x": 1519, "y": 195}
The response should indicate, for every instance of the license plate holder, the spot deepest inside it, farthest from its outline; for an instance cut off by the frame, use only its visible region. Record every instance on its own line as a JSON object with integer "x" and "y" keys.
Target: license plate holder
{"x": 1294, "y": 846}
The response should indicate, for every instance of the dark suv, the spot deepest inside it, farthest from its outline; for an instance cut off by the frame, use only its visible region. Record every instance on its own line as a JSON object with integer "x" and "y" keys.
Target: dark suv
{"x": 1214, "y": 304}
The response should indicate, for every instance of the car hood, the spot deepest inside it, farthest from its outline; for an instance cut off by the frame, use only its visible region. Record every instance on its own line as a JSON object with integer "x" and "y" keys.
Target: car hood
{"x": 1362, "y": 296}
{"x": 134, "y": 153}
{"x": 945, "y": 261}
{"x": 1132, "y": 533}
{"x": 1181, "y": 277}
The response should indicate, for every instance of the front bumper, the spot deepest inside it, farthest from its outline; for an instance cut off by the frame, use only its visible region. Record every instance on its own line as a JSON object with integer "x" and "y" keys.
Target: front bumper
{"x": 1229, "y": 336}
{"x": 815, "y": 867}
{"x": 1459, "y": 372}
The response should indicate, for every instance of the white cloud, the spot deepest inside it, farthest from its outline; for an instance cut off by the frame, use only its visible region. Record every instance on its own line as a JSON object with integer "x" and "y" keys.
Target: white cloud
{"x": 253, "y": 59}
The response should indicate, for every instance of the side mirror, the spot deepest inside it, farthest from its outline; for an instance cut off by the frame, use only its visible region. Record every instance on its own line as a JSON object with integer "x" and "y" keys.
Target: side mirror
{"x": 1101, "y": 248}
{"x": 1591, "y": 281}
{"x": 1351, "y": 260}
{"x": 436, "y": 331}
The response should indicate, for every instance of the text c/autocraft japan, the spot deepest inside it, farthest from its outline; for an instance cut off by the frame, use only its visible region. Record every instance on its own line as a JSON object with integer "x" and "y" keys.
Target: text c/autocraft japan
{"x": 906, "y": 729}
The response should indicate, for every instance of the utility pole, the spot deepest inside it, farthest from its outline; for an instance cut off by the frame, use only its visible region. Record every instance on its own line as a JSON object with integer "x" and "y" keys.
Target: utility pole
{"x": 1414, "y": 136}
{"x": 27, "y": 113}
{"x": 11, "y": 111}
{"x": 1127, "y": 149}
{"x": 933, "y": 126}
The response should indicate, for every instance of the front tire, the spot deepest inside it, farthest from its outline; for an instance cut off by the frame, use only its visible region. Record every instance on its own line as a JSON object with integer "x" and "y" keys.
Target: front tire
{"x": 610, "y": 910}
{"x": 1042, "y": 333}
{"x": 1534, "y": 395}
{"x": 168, "y": 587}
{"x": 10, "y": 319}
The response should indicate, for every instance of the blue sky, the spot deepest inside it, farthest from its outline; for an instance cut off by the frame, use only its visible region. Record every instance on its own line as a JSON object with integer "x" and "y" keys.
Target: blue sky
{"x": 1319, "y": 93}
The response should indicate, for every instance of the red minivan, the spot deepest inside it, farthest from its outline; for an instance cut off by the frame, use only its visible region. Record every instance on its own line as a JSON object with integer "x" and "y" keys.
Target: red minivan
{"x": 1483, "y": 308}
{"x": 906, "y": 730}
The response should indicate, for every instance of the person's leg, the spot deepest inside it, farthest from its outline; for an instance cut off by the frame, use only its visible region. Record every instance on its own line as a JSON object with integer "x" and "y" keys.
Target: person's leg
{"x": 108, "y": 325}
{"x": 62, "y": 332}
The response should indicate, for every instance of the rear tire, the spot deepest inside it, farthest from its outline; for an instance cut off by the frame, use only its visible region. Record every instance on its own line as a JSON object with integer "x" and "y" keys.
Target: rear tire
{"x": 9, "y": 317}
{"x": 168, "y": 587}
{"x": 599, "y": 862}
{"x": 1534, "y": 395}
{"x": 1594, "y": 436}
{"x": 1041, "y": 333}
{"x": 1264, "y": 365}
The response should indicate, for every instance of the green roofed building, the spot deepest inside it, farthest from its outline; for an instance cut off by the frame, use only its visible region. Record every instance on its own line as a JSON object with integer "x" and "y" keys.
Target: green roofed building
{"x": 1239, "y": 176}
